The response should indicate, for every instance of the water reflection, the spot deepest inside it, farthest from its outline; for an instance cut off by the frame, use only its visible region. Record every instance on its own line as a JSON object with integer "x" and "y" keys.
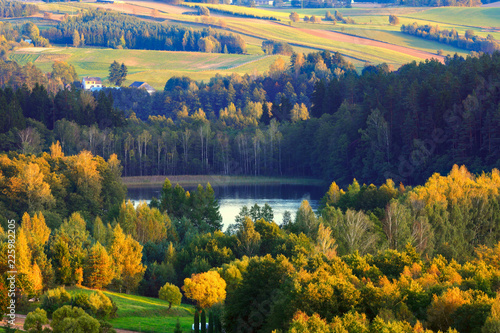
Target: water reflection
{"x": 231, "y": 198}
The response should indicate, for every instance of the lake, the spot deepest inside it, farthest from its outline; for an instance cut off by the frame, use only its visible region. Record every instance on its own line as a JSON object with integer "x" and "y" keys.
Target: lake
{"x": 231, "y": 198}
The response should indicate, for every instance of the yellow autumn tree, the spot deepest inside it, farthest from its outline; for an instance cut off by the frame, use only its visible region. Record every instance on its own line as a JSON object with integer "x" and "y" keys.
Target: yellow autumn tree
{"x": 206, "y": 289}
{"x": 98, "y": 270}
{"x": 37, "y": 232}
{"x": 127, "y": 255}
{"x": 56, "y": 150}
{"x": 439, "y": 314}
{"x": 34, "y": 190}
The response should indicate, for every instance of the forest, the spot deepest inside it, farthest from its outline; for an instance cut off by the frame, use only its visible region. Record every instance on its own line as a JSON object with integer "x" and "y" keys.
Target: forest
{"x": 372, "y": 259}
{"x": 404, "y": 125}
{"x": 112, "y": 29}
{"x": 469, "y": 41}
{"x": 405, "y": 238}
{"x": 17, "y": 9}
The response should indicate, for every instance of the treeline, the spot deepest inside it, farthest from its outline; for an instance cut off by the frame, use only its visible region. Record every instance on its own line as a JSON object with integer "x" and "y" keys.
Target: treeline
{"x": 321, "y": 3}
{"x": 398, "y": 125}
{"x": 433, "y": 3}
{"x": 469, "y": 41}
{"x": 203, "y": 137}
{"x": 276, "y": 47}
{"x": 111, "y": 29}
{"x": 237, "y": 12}
{"x": 25, "y": 108}
{"x": 17, "y": 9}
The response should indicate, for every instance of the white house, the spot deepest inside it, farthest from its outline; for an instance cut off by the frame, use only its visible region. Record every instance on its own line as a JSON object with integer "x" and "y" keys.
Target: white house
{"x": 91, "y": 83}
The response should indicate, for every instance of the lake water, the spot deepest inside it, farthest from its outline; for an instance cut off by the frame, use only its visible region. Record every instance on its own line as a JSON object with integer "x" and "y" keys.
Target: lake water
{"x": 231, "y": 198}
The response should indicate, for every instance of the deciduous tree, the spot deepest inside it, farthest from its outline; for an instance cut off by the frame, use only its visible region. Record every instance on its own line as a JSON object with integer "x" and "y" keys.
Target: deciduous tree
{"x": 171, "y": 294}
{"x": 206, "y": 289}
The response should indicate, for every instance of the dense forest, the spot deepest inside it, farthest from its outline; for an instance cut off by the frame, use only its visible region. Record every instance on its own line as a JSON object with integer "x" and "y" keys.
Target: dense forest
{"x": 417, "y": 252}
{"x": 403, "y": 125}
{"x": 17, "y": 9}
{"x": 469, "y": 41}
{"x": 373, "y": 259}
{"x": 111, "y": 29}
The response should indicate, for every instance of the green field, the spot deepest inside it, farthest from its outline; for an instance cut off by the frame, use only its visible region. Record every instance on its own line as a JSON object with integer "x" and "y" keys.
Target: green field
{"x": 458, "y": 16}
{"x": 154, "y": 67}
{"x": 358, "y": 53}
{"x": 145, "y": 314}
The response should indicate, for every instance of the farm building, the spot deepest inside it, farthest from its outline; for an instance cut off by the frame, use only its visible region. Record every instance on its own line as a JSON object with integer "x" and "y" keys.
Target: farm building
{"x": 91, "y": 83}
{"x": 143, "y": 85}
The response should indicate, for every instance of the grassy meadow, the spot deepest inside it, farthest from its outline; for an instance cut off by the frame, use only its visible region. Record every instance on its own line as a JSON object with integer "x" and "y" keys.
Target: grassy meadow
{"x": 371, "y": 24}
{"x": 145, "y": 314}
{"x": 154, "y": 67}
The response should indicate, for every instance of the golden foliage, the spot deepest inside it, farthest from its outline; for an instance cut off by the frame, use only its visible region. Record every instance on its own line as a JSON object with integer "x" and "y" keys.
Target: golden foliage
{"x": 442, "y": 307}
{"x": 206, "y": 289}
{"x": 127, "y": 258}
{"x": 37, "y": 232}
{"x": 56, "y": 150}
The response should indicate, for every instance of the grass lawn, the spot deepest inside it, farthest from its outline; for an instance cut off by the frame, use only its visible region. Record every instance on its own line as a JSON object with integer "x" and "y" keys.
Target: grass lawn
{"x": 145, "y": 314}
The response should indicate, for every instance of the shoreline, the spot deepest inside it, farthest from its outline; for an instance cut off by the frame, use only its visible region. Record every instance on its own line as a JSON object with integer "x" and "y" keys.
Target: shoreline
{"x": 216, "y": 180}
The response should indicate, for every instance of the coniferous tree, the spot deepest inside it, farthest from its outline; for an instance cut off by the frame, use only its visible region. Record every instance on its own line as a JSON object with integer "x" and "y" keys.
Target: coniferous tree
{"x": 178, "y": 328}
{"x": 122, "y": 74}
{"x": 203, "y": 322}
{"x": 114, "y": 72}
{"x": 196, "y": 321}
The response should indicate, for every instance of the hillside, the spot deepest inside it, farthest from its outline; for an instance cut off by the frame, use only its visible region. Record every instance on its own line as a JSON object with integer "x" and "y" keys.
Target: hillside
{"x": 145, "y": 314}
{"x": 369, "y": 39}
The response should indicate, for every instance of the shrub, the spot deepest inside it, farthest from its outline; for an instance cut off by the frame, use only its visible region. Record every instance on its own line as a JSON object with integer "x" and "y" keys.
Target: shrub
{"x": 96, "y": 304}
{"x": 53, "y": 299}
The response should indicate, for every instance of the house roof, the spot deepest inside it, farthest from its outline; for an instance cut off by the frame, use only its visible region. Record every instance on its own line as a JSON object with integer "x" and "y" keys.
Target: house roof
{"x": 90, "y": 78}
{"x": 143, "y": 85}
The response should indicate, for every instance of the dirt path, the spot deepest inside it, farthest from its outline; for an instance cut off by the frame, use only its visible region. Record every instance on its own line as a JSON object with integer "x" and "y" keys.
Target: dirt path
{"x": 340, "y": 37}
{"x": 19, "y": 323}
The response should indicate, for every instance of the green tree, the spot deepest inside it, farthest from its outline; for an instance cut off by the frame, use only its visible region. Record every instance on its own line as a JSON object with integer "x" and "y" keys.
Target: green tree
{"x": 35, "y": 320}
{"x": 211, "y": 211}
{"x": 122, "y": 74}
{"x": 203, "y": 322}
{"x": 248, "y": 239}
{"x": 171, "y": 294}
{"x": 117, "y": 73}
{"x": 70, "y": 319}
{"x": 196, "y": 322}
{"x": 99, "y": 231}
{"x": 64, "y": 71}
{"x": 393, "y": 20}
{"x": 178, "y": 328}
{"x": 76, "y": 38}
